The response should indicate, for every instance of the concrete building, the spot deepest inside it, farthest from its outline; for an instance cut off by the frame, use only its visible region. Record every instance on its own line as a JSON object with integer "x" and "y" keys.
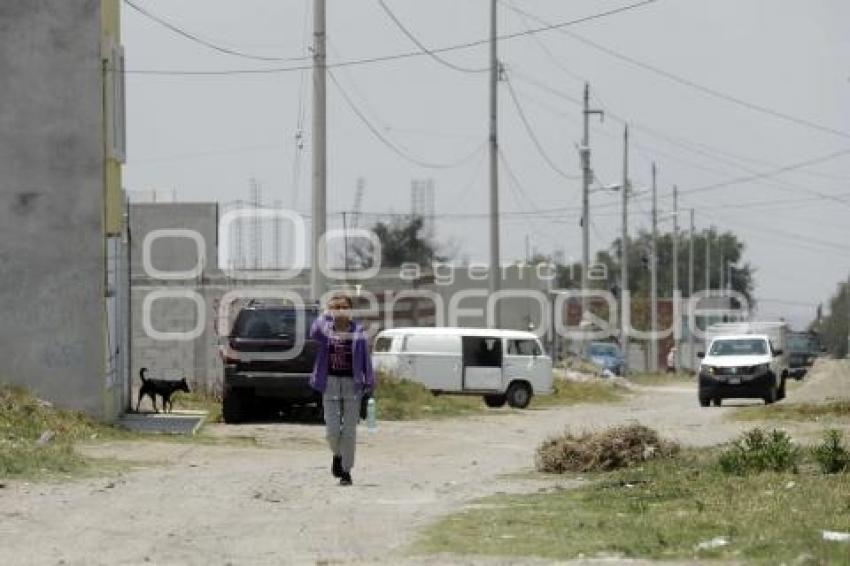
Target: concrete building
{"x": 63, "y": 278}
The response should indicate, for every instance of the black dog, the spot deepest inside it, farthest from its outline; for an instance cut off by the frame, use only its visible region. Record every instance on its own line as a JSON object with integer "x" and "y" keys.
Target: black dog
{"x": 165, "y": 388}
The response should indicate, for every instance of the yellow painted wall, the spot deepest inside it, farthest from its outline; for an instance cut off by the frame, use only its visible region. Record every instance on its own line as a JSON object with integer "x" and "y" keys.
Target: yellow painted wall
{"x": 110, "y": 24}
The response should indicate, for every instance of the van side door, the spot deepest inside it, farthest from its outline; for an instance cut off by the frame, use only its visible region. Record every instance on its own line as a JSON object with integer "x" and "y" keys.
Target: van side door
{"x": 434, "y": 360}
{"x": 482, "y": 363}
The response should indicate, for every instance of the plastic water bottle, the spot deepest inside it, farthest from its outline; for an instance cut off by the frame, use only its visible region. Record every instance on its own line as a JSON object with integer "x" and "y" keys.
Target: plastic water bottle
{"x": 371, "y": 415}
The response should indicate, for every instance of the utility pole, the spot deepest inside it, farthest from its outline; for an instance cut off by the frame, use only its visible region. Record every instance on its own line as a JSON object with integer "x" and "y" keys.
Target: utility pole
{"x": 345, "y": 239}
{"x": 587, "y": 179}
{"x": 319, "y": 208}
{"x": 708, "y": 260}
{"x": 653, "y": 273}
{"x": 722, "y": 267}
{"x": 495, "y": 271}
{"x": 691, "y": 254}
{"x": 676, "y": 361}
{"x": 624, "y": 256}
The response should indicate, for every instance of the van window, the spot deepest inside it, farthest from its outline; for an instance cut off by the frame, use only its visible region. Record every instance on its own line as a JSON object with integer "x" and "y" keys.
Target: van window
{"x": 432, "y": 344}
{"x": 482, "y": 351}
{"x": 523, "y": 348}
{"x": 383, "y": 344}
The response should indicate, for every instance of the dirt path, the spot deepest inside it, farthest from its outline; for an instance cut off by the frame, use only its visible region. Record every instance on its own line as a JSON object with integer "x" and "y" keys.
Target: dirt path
{"x": 278, "y": 504}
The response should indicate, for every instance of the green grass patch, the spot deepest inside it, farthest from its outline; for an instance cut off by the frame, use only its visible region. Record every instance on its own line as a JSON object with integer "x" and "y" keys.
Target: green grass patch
{"x": 662, "y": 378}
{"x": 835, "y": 410}
{"x": 23, "y": 420}
{"x": 403, "y": 400}
{"x": 200, "y": 400}
{"x": 662, "y": 509}
{"x": 575, "y": 392}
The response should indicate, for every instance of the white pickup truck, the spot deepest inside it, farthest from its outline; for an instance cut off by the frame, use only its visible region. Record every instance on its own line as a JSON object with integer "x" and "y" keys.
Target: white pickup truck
{"x": 746, "y": 359}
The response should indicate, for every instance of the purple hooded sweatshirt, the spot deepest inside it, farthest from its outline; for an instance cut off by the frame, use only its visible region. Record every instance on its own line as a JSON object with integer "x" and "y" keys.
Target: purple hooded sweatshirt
{"x": 364, "y": 378}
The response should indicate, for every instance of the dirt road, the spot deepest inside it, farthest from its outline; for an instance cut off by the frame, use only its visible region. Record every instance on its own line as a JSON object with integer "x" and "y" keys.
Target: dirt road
{"x": 278, "y": 504}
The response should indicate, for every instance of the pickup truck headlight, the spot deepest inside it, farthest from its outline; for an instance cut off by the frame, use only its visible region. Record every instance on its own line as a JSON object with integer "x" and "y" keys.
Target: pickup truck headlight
{"x": 710, "y": 370}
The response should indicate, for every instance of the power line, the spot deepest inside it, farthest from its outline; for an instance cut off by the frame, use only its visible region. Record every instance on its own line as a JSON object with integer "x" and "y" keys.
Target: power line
{"x": 535, "y": 140}
{"x": 192, "y": 37}
{"x": 687, "y": 82}
{"x": 422, "y": 46}
{"x": 775, "y": 172}
{"x": 395, "y": 56}
{"x": 389, "y": 144}
{"x": 755, "y": 177}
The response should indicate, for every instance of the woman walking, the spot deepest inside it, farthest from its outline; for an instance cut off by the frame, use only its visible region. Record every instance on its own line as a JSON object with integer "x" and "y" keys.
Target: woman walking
{"x": 343, "y": 375}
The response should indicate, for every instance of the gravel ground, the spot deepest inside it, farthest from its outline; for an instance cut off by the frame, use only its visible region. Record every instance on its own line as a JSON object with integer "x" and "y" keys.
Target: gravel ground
{"x": 276, "y": 503}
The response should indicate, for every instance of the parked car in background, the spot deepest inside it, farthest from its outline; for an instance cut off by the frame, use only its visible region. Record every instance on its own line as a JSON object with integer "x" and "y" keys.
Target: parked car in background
{"x": 606, "y": 356}
{"x": 803, "y": 349}
{"x": 268, "y": 356}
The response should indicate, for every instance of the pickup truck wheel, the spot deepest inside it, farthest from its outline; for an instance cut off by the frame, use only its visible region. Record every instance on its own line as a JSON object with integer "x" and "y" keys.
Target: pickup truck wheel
{"x": 704, "y": 402}
{"x": 234, "y": 406}
{"x": 781, "y": 394}
{"x": 772, "y": 394}
{"x": 519, "y": 395}
{"x": 495, "y": 401}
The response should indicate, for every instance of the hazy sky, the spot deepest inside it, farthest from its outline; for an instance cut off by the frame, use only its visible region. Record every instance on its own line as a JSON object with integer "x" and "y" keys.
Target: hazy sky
{"x": 206, "y": 136}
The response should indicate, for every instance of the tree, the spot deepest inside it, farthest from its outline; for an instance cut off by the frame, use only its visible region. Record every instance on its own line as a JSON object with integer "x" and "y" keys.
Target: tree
{"x": 402, "y": 241}
{"x": 834, "y": 328}
{"x": 569, "y": 276}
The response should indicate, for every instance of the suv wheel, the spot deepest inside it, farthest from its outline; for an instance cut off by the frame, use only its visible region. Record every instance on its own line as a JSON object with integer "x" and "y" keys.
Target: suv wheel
{"x": 519, "y": 395}
{"x": 234, "y": 405}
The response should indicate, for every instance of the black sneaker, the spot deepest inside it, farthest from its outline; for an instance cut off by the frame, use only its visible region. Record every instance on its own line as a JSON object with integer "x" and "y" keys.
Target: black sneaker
{"x": 336, "y": 467}
{"x": 345, "y": 478}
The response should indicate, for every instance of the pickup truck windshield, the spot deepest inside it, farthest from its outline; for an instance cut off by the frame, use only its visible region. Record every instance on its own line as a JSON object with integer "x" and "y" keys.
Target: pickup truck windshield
{"x": 739, "y": 347}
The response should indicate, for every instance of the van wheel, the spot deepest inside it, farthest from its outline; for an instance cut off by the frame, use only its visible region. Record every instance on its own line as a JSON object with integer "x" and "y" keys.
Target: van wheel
{"x": 495, "y": 401}
{"x": 519, "y": 395}
{"x": 234, "y": 406}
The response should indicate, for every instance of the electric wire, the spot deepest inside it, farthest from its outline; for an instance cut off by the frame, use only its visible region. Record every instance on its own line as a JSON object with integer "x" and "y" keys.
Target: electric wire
{"x": 400, "y": 25}
{"x": 193, "y": 37}
{"x": 390, "y": 57}
{"x": 688, "y": 82}
{"x": 389, "y": 144}
{"x": 535, "y": 140}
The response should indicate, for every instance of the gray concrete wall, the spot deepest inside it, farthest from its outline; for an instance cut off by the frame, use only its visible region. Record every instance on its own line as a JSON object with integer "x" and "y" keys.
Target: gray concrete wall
{"x": 174, "y": 253}
{"x": 51, "y": 201}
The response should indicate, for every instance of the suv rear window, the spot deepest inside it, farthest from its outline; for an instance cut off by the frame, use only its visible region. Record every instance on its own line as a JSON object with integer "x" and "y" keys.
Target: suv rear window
{"x": 273, "y": 323}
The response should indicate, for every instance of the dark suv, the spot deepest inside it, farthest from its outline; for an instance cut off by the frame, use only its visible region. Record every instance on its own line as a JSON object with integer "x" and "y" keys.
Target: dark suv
{"x": 268, "y": 356}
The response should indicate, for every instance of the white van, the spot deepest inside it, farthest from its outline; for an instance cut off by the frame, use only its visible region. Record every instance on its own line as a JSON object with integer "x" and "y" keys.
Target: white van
{"x": 503, "y": 366}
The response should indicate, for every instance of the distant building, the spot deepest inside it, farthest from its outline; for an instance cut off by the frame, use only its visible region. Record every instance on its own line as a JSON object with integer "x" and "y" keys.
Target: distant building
{"x": 63, "y": 272}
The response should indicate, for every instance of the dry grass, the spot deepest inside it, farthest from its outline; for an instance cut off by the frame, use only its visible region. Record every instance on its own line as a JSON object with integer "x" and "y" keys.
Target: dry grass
{"x": 610, "y": 449}
{"x": 575, "y": 392}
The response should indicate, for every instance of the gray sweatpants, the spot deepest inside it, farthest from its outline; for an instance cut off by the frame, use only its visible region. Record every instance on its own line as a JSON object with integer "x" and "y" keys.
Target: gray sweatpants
{"x": 342, "y": 412}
